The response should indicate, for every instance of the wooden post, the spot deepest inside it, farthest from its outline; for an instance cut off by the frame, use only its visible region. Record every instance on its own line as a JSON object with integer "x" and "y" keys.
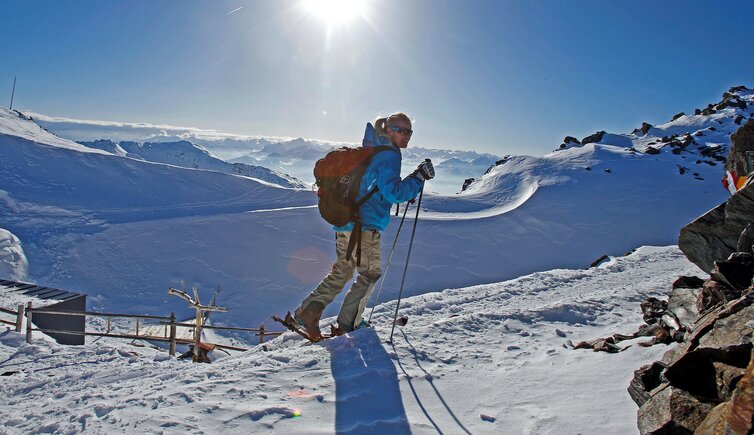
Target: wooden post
{"x": 28, "y": 322}
{"x": 20, "y": 318}
{"x": 261, "y": 334}
{"x": 137, "y": 327}
{"x": 108, "y": 325}
{"x": 172, "y": 334}
{"x": 197, "y": 334}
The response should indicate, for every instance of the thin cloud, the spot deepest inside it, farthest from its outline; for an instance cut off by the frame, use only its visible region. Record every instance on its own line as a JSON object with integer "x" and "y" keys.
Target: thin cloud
{"x": 234, "y": 10}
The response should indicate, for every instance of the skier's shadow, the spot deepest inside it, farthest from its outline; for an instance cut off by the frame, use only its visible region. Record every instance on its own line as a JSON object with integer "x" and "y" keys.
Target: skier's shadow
{"x": 368, "y": 398}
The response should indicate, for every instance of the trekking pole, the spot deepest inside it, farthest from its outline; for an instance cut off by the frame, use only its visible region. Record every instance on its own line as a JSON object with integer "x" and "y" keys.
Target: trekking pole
{"x": 387, "y": 267}
{"x": 408, "y": 256}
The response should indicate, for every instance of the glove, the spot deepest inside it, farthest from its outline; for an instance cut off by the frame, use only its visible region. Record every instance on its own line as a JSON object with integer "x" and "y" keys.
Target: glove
{"x": 425, "y": 171}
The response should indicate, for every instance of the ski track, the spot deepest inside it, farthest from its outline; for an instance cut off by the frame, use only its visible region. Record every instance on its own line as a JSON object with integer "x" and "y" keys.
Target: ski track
{"x": 455, "y": 368}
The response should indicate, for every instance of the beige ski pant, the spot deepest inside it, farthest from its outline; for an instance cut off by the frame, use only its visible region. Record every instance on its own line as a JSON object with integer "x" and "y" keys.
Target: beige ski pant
{"x": 342, "y": 272}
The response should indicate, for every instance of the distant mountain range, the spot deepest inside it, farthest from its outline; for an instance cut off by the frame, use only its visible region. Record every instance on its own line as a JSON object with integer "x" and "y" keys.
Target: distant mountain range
{"x": 295, "y": 157}
{"x": 188, "y": 155}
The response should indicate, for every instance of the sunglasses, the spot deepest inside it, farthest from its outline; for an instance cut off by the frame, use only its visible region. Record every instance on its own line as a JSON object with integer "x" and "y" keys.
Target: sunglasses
{"x": 403, "y": 131}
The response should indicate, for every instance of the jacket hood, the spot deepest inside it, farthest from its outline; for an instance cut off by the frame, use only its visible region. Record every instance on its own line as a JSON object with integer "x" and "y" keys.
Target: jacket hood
{"x": 372, "y": 140}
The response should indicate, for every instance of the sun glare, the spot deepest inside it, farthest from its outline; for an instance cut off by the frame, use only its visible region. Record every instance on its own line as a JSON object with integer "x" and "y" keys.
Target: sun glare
{"x": 336, "y": 12}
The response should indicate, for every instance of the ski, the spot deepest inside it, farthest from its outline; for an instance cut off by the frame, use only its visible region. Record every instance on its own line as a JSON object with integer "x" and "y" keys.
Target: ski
{"x": 290, "y": 323}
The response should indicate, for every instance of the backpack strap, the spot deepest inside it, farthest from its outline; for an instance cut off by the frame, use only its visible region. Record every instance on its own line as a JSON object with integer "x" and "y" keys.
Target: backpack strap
{"x": 355, "y": 242}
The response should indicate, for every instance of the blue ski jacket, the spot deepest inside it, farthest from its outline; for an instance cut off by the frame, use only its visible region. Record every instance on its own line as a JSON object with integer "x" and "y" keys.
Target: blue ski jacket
{"x": 384, "y": 171}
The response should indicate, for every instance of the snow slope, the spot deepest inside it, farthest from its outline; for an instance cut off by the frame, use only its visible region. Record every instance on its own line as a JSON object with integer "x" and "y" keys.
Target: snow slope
{"x": 485, "y": 359}
{"x": 187, "y": 155}
{"x": 124, "y": 230}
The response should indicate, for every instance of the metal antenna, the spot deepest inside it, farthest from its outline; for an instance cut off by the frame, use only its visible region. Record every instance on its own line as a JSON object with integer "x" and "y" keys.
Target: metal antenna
{"x": 13, "y": 93}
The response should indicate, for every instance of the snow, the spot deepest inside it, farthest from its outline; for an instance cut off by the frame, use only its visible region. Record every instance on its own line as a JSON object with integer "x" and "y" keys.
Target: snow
{"x": 188, "y": 155}
{"x": 13, "y": 263}
{"x": 484, "y": 359}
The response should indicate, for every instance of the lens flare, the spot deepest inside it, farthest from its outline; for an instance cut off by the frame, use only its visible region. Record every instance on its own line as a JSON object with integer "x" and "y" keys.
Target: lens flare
{"x": 336, "y": 12}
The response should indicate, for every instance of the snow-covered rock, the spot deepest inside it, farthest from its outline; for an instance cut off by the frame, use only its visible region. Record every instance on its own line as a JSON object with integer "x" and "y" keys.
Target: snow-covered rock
{"x": 13, "y": 263}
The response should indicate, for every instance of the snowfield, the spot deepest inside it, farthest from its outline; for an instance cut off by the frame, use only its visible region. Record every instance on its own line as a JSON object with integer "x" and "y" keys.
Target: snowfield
{"x": 493, "y": 358}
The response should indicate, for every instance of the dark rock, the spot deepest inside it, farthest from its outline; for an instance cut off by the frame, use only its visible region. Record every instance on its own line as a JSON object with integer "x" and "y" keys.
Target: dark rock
{"x": 714, "y": 293}
{"x": 609, "y": 171}
{"x": 595, "y": 138}
{"x": 678, "y": 115}
{"x": 677, "y": 151}
{"x": 730, "y": 337}
{"x": 646, "y": 379}
{"x": 699, "y": 133}
{"x": 735, "y": 416}
{"x": 741, "y": 141}
{"x": 727, "y": 376}
{"x": 571, "y": 139}
{"x": 652, "y": 150}
{"x": 682, "y": 170}
{"x": 739, "y": 417}
{"x": 588, "y": 168}
{"x": 466, "y": 183}
{"x": 665, "y": 139}
{"x": 714, "y": 235}
{"x": 731, "y": 102}
{"x": 646, "y": 126}
{"x": 671, "y": 411}
{"x": 738, "y": 119}
{"x": 736, "y": 272}
{"x": 688, "y": 282}
{"x": 711, "y": 128}
{"x": 746, "y": 239}
{"x": 708, "y": 111}
{"x": 597, "y": 262}
{"x": 736, "y": 89}
{"x": 697, "y": 112}
{"x": 652, "y": 309}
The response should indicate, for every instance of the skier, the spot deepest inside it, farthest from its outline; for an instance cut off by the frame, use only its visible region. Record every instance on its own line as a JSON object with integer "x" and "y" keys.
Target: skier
{"x": 383, "y": 172}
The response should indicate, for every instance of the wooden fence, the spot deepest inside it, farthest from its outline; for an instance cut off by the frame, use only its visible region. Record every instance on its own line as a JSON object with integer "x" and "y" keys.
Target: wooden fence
{"x": 170, "y": 324}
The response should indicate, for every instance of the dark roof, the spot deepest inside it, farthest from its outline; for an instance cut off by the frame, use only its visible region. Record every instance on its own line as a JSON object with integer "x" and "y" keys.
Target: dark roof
{"x": 38, "y": 292}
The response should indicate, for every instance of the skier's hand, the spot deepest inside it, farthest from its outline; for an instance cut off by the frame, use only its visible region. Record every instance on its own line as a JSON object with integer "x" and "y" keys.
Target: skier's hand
{"x": 425, "y": 171}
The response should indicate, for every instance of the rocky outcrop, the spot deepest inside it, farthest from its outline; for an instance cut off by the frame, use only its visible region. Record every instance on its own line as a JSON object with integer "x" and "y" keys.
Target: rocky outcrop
{"x": 677, "y": 393}
{"x": 569, "y": 142}
{"x": 735, "y": 415}
{"x": 715, "y": 235}
{"x": 595, "y": 138}
{"x": 704, "y": 385}
{"x": 741, "y": 142}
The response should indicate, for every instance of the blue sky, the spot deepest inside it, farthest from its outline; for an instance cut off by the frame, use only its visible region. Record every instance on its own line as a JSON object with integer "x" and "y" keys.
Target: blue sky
{"x": 493, "y": 76}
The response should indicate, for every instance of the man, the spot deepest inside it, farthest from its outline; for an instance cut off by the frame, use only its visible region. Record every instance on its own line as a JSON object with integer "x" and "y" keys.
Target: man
{"x": 383, "y": 172}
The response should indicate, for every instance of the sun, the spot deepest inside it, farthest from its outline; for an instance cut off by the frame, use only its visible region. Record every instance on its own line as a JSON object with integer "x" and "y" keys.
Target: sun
{"x": 336, "y": 12}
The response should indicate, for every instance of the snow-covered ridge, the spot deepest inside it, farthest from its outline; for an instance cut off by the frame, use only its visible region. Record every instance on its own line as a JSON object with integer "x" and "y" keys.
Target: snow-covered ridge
{"x": 688, "y": 141}
{"x": 45, "y": 178}
{"x": 189, "y": 155}
{"x": 294, "y": 156}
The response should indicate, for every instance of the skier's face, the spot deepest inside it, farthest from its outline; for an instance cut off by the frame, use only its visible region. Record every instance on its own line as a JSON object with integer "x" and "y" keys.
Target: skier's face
{"x": 400, "y": 133}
